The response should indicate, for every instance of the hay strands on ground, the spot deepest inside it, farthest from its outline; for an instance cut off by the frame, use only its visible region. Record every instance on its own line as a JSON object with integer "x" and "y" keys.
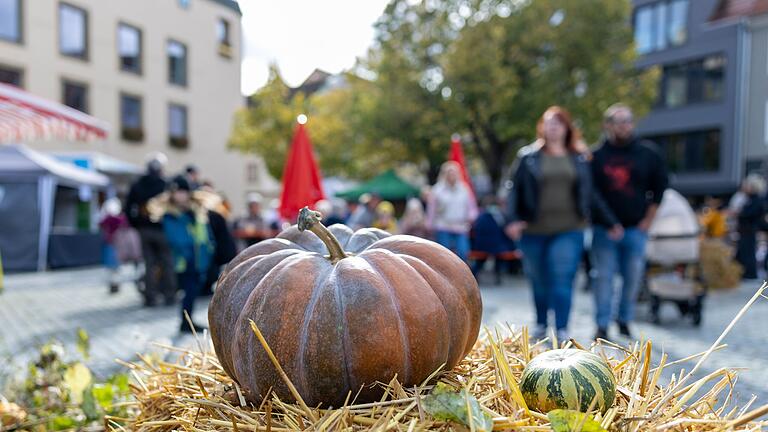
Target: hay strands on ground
{"x": 196, "y": 395}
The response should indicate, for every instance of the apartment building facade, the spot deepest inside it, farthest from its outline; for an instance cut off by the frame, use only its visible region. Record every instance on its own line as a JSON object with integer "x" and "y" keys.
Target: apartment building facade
{"x": 711, "y": 106}
{"x": 165, "y": 74}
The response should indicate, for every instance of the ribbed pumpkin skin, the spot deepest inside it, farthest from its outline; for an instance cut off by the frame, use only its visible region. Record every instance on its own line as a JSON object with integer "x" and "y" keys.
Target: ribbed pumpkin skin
{"x": 568, "y": 379}
{"x": 400, "y": 305}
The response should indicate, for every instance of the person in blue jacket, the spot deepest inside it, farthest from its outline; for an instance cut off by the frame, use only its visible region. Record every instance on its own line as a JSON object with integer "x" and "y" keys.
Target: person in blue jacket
{"x": 489, "y": 237}
{"x": 187, "y": 228}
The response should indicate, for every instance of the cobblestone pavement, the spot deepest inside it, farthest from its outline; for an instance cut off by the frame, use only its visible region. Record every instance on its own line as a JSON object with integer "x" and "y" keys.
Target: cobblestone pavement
{"x": 747, "y": 342}
{"x": 36, "y": 308}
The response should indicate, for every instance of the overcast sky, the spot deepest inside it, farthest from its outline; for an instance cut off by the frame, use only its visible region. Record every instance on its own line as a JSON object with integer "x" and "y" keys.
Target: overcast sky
{"x": 301, "y": 35}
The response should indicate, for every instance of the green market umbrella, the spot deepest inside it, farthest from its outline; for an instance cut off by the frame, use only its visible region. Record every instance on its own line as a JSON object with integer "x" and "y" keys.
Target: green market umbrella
{"x": 387, "y": 185}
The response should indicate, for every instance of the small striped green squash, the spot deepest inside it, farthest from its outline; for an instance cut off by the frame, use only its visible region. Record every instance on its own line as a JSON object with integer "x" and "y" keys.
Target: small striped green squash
{"x": 568, "y": 379}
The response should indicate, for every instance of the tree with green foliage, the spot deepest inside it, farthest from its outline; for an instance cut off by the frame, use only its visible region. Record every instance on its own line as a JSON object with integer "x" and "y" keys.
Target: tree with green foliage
{"x": 338, "y": 127}
{"x": 506, "y": 70}
{"x": 484, "y": 68}
{"x": 489, "y": 68}
{"x": 409, "y": 110}
{"x": 266, "y": 126}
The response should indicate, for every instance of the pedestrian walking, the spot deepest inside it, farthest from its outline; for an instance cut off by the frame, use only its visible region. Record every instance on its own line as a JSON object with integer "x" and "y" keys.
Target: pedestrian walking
{"x": 252, "y": 228}
{"x": 385, "y": 217}
{"x": 749, "y": 222}
{"x": 186, "y": 224}
{"x": 192, "y": 175}
{"x": 331, "y": 211}
{"x": 549, "y": 205}
{"x": 365, "y": 213}
{"x": 112, "y": 219}
{"x": 489, "y": 238}
{"x": 414, "y": 220}
{"x": 451, "y": 210}
{"x": 631, "y": 176}
{"x": 159, "y": 280}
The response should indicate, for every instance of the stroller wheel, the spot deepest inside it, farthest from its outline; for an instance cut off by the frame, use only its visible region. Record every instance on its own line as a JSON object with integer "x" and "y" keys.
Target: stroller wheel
{"x": 654, "y": 310}
{"x": 697, "y": 318}
{"x": 696, "y": 311}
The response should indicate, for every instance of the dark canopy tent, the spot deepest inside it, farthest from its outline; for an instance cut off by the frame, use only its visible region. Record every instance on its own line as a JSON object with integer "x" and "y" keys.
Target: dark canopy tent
{"x": 40, "y": 198}
{"x": 387, "y": 185}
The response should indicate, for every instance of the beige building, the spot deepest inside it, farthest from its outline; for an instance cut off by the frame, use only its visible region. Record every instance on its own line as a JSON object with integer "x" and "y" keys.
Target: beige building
{"x": 165, "y": 74}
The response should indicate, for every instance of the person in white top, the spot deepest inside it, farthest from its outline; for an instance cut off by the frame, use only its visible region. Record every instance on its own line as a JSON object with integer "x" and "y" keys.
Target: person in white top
{"x": 451, "y": 210}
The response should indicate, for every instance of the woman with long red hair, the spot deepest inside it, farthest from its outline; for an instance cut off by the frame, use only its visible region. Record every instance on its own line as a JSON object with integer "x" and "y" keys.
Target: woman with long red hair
{"x": 549, "y": 205}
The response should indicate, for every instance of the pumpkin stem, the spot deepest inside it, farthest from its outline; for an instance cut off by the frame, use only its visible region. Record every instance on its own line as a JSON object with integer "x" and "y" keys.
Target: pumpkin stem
{"x": 310, "y": 220}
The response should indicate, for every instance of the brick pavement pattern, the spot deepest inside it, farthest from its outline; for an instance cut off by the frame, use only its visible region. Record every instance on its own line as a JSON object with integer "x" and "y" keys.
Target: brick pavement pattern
{"x": 36, "y": 308}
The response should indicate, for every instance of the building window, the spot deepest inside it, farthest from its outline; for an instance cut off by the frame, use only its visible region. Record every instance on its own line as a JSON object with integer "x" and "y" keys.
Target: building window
{"x": 223, "y": 37}
{"x": 75, "y": 95}
{"x": 712, "y": 79}
{"x": 131, "y": 125}
{"x": 11, "y": 75}
{"x": 644, "y": 30}
{"x": 675, "y": 83}
{"x": 184, "y": 4}
{"x": 677, "y": 24}
{"x": 10, "y": 20}
{"x": 252, "y": 174}
{"x": 129, "y": 48}
{"x": 660, "y": 19}
{"x": 177, "y": 63}
{"x": 73, "y": 31}
{"x": 691, "y": 152}
{"x": 693, "y": 82}
{"x": 661, "y": 25}
{"x": 178, "y": 136}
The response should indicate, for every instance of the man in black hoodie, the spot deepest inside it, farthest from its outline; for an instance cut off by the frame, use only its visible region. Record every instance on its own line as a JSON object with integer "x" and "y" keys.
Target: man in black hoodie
{"x": 631, "y": 176}
{"x": 159, "y": 274}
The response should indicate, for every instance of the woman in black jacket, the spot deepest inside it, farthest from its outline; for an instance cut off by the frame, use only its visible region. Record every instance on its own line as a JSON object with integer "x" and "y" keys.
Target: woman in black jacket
{"x": 549, "y": 205}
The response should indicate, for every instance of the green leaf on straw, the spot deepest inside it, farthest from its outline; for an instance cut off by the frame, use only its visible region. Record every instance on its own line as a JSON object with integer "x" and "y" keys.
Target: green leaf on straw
{"x": 570, "y": 421}
{"x": 444, "y": 403}
{"x": 77, "y": 378}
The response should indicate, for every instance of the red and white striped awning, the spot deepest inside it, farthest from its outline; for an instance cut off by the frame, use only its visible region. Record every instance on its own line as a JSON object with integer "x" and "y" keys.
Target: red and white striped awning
{"x": 25, "y": 117}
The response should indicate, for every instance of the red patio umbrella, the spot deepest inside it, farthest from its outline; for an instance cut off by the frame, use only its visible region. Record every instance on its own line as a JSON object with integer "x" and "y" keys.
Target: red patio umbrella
{"x": 457, "y": 155}
{"x": 301, "y": 177}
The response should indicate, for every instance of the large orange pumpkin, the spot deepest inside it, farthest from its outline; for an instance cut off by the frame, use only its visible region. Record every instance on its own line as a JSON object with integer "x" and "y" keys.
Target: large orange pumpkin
{"x": 342, "y": 309}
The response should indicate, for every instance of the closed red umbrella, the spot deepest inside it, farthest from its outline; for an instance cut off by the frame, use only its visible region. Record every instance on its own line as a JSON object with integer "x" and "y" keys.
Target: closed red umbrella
{"x": 457, "y": 155}
{"x": 301, "y": 177}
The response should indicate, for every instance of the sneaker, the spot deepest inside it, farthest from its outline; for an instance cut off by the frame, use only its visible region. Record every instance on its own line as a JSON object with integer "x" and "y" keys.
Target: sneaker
{"x": 185, "y": 327}
{"x": 539, "y": 332}
{"x": 602, "y": 333}
{"x": 624, "y": 330}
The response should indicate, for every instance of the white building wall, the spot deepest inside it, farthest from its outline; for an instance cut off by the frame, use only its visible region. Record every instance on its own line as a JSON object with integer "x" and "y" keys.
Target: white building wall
{"x": 211, "y": 96}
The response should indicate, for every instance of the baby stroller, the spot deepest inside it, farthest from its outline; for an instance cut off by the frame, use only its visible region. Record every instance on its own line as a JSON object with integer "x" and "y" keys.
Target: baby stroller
{"x": 673, "y": 272}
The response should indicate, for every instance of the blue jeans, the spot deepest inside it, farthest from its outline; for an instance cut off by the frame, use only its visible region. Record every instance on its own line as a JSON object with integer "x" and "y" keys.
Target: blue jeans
{"x": 457, "y": 242}
{"x": 190, "y": 282}
{"x": 627, "y": 256}
{"x": 109, "y": 256}
{"x": 551, "y": 263}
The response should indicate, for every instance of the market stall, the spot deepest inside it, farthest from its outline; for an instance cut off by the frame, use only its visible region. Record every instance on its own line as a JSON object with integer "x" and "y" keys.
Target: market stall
{"x": 48, "y": 211}
{"x": 47, "y": 207}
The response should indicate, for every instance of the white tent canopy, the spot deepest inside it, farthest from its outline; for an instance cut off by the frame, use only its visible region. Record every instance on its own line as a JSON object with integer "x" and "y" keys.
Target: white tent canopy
{"x": 101, "y": 162}
{"x": 22, "y": 160}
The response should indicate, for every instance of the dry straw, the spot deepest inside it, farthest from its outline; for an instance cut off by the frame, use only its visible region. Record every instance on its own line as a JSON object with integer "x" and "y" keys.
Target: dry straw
{"x": 194, "y": 394}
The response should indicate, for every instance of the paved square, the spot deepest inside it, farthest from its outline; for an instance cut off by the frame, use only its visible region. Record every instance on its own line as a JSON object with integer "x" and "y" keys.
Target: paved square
{"x": 36, "y": 308}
